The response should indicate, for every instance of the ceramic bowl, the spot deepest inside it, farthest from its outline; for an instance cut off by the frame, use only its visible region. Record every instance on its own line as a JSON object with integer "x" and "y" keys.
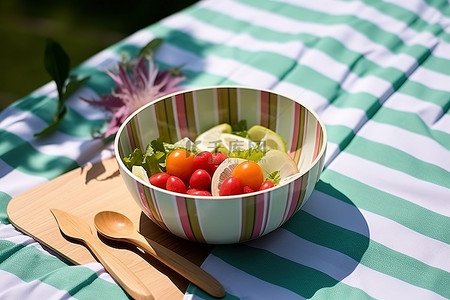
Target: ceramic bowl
{"x": 228, "y": 219}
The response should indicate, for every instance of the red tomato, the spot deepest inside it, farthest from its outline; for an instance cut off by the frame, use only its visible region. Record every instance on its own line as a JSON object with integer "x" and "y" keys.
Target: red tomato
{"x": 204, "y": 160}
{"x": 230, "y": 186}
{"x": 159, "y": 179}
{"x": 249, "y": 173}
{"x": 200, "y": 180}
{"x": 217, "y": 158}
{"x": 196, "y": 192}
{"x": 180, "y": 163}
{"x": 266, "y": 185}
{"x": 246, "y": 189}
{"x": 175, "y": 184}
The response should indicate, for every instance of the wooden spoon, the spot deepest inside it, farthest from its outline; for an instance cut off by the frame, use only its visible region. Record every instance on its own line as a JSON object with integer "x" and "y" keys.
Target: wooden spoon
{"x": 116, "y": 226}
{"x": 78, "y": 229}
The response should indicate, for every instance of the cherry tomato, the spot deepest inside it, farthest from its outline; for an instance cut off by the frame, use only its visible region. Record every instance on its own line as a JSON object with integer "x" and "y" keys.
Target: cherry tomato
{"x": 230, "y": 186}
{"x": 217, "y": 159}
{"x": 159, "y": 179}
{"x": 246, "y": 189}
{"x": 175, "y": 184}
{"x": 249, "y": 173}
{"x": 204, "y": 160}
{"x": 200, "y": 180}
{"x": 266, "y": 185}
{"x": 196, "y": 192}
{"x": 180, "y": 163}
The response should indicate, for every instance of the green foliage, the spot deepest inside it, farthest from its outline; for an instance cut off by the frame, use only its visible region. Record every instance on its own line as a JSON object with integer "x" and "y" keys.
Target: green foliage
{"x": 254, "y": 154}
{"x": 134, "y": 159}
{"x": 153, "y": 160}
{"x": 275, "y": 177}
{"x": 57, "y": 65}
{"x": 151, "y": 47}
{"x": 240, "y": 128}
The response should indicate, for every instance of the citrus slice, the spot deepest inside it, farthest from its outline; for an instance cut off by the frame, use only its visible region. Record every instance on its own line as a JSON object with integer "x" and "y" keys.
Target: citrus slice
{"x": 140, "y": 173}
{"x": 185, "y": 143}
{"x": 208, "y": 140}
{"x": 223, "y": 171}
{"x": 266, "y": 138}
{"x": 231, "y": 142}
{"x": 276, "y": 160}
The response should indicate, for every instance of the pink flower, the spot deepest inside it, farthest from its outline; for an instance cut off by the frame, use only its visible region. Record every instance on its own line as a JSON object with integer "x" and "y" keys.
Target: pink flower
{"x": 138, "y": 82}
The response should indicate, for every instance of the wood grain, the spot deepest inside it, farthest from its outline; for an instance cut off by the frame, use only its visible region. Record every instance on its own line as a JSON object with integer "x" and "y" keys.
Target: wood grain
{"x": 77, "y": 228}
{"x": 84, "y": 192}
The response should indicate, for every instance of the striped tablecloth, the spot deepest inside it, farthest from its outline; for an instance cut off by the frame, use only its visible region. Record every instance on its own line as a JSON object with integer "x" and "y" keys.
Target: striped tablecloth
{"x": 377, "y": 73}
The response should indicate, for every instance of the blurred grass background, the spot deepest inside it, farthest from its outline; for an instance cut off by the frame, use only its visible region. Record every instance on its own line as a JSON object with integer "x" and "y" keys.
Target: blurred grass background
{"x": 82, "y": 27}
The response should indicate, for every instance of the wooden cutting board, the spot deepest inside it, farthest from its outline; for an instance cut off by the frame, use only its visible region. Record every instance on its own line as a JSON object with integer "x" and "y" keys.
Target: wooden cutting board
{"x": 84, "y": 192}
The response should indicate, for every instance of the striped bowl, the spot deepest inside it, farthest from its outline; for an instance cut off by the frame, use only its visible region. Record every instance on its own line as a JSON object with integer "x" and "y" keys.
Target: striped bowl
{"x": 229, "y": 219}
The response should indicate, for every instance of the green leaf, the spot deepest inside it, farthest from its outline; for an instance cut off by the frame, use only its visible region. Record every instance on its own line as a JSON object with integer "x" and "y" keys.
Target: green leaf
{"x": 57, "y": 64}
{"x": 275, "y": 177}
{"x": 52, "y": 127}
{"x": 74, "y": 84}
{"x": 134, "y": 158}
{"x": 240, "y": 128}
{"x": 151, "y": 47}
{"x": 152, "y": 163}
{"x": 154, "y": 157}
{"x": 149, "y": 150}
{"x": 184, "y": 143}
{"x": 154, "y": 160}
{"x": 254, "y": 154}
{"x": 61, "y": 113}
{"x": 158, "y": 145}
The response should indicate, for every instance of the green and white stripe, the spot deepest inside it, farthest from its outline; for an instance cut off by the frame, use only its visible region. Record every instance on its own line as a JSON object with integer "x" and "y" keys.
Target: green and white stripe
{"x": 378, "y": 74}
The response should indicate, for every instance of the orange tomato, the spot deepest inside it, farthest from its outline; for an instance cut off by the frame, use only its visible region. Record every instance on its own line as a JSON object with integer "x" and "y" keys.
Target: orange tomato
{"x": 249, "y": 173}
{"x": 180, "y": 163}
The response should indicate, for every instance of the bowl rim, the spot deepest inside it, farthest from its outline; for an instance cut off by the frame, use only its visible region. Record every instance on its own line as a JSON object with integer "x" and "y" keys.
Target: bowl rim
{"x": 294, "y": 177}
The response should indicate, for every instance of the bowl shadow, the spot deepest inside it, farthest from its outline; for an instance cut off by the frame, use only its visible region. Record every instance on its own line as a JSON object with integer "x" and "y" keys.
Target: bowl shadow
{"x": 318, "y": 247}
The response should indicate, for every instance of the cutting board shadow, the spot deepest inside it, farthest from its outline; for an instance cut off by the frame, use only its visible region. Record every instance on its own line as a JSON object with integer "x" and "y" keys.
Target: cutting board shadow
{"x": 84, "y": 192}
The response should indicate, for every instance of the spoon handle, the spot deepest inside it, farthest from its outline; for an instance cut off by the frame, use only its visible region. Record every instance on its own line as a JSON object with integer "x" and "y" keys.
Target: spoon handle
{"x": 181, "y": 265}
{"x": 119, "y": 271}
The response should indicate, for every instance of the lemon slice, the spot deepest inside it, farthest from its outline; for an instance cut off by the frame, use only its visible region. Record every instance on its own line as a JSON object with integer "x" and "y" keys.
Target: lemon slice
{"x": 223, "y": 171}
{"x": 266, "y": 138}
{"x": 276, "y": 160}
{"x": 140, "y": 173}
{"x": 209, "y": 140}
{"x": 231, "y": 142}
{"x": 185, "y": 143}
